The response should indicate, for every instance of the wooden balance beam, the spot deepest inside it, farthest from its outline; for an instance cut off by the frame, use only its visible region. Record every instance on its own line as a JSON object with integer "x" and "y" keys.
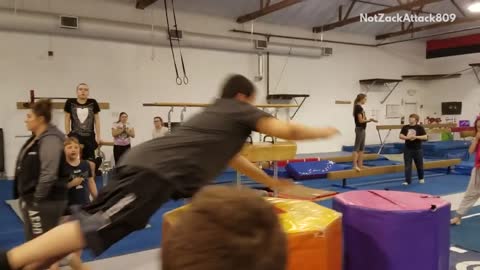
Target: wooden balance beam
{"x": 349, "y": 158}
{"x": 430, "y": 127}
{"x": 427, "y": 126}
{"x": 261, "y": 152}
{"x": 56, "y": 105}
{"x": 59, "y": 105}
{"x": 344, "y": 175}
{"x": 202, "y": 105}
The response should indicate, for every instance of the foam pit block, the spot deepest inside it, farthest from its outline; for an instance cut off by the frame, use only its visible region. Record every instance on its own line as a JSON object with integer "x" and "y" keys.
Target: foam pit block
{"x": 314, "y": 233}
{"x": 394, "y": 230}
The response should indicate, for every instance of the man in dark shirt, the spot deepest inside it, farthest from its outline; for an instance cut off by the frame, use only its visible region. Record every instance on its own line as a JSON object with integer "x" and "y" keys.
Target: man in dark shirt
{"x": 82, "y": 121}
{"x": 413, "y": 134}
{"x": 174, "y": 166}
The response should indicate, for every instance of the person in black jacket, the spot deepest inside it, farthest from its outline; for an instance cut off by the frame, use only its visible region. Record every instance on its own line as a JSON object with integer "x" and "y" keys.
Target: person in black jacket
{"x": 39, "y": 183}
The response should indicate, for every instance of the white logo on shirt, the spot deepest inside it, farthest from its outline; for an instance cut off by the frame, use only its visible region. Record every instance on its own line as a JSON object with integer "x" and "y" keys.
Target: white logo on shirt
{"x": 82, "y": 114}
{"x": 412, "y": 132}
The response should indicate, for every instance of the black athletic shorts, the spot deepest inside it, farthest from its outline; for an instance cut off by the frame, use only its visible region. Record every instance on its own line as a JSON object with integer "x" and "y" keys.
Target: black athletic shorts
{"x": 41, "y": 217}
{"x": 89, "y": 144}
{"x": 122, "y": 207}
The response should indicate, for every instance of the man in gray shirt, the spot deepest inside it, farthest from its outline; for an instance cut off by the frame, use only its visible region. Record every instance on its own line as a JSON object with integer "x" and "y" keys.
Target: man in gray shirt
{"x": 173, "y": 166}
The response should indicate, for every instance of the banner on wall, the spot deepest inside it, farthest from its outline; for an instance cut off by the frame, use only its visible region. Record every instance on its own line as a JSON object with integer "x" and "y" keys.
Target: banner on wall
{"x": 453, "y": 46}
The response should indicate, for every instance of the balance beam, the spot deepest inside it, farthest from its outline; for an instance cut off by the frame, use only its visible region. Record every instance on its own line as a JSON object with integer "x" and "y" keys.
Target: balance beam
{"x": 59, "y": 105}
{"x": 259, "y": 152}
{"x": 447, "y": 126}
{"x": 56, "y": 105}
{"x": 349, "y": 158}
{"x": 203, "y": 105}
{"x": 106, "y": 144}
{"x": 428, "y": 126}
{"x": 344, "y": 175}
{"x": 467, "y": 133}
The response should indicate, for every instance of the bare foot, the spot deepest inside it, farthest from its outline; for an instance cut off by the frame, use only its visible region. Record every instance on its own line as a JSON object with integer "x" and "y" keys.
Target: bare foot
{"x": 455, "y": 221}
{"x": 358, "y": 169}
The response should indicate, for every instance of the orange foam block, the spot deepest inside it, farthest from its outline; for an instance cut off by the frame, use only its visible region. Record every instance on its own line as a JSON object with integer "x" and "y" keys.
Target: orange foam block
{"x": 314, "y": 233}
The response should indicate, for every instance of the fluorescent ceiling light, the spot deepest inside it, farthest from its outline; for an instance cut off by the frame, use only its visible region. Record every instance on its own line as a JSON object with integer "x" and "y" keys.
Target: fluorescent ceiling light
{"x": 474, "y": 7}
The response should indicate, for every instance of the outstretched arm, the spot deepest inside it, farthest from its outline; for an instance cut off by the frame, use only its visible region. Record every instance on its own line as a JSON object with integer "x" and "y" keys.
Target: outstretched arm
{"x": 246, "y": 167}
{"x": 291, "y": 131}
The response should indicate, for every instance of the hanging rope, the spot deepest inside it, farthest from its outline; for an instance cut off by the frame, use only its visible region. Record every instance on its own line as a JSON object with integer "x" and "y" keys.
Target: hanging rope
{"x": 185, "y": 78}
{"x": 178, "y": 79}
{"x": 283, "y": 69}
{"x": 153, "y": 37}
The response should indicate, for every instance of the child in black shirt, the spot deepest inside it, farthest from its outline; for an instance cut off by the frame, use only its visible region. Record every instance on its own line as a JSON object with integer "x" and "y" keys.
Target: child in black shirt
{"x": 413, "y": 134}
{"x": 80, "y": 180}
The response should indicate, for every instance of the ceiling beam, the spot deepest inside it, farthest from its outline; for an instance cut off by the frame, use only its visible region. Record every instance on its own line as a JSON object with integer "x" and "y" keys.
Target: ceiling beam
{"x": 142, "y": 4}
{"x": 428, "y": 27}
{"x": 350, "y": 9}
{"x": 384, "y": 5}
{"x": 459, "y": 8}
{"x": 267, "y": 10}
{"x": 407, "y": 6}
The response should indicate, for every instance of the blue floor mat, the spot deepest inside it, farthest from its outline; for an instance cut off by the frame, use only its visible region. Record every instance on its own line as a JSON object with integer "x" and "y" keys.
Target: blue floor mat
{"x": 466, "y": 235}
{"x": 435, "y": 185}
{"x": 11, "y": 230}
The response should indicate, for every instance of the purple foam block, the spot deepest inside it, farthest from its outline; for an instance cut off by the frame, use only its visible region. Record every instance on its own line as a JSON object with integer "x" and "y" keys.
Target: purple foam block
{"x": 392, "y": 230}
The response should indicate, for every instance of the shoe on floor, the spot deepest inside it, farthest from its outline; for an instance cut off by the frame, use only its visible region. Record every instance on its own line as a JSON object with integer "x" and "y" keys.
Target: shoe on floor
{"x": 405, "y": 184}
{"x": 421, "y": 181}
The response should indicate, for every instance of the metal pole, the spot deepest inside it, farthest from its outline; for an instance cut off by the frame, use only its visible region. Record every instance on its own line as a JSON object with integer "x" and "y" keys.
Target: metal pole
{"x": 275, "y": 175}
{"x": 170, "y": 119}
{"x": 276, "y": 114}
{"x": 182, "y": 114}
{"x": 239, "y": 179}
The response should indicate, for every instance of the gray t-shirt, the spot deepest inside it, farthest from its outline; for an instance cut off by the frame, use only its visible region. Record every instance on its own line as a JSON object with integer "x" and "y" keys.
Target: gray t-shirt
{"x": 200, "y": 149}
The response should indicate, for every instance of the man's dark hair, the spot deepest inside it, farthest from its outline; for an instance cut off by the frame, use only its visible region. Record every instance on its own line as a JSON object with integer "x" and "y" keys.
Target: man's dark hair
{"x": 43, "y": 108}
{"x": 237, "y": 84}
{"x": 226, "y": 228}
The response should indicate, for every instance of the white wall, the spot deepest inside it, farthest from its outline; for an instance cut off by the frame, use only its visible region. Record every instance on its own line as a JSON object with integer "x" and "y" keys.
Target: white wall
{"x": 126, "y": 76}
{"x": 465, "y": 89}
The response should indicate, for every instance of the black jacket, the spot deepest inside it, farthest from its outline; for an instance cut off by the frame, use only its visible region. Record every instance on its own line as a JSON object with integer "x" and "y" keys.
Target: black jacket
{"x": 39, "y": 168}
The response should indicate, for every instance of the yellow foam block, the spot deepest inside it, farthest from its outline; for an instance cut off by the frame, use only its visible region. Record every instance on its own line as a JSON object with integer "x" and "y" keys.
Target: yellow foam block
{"x": 314, "y": 233}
